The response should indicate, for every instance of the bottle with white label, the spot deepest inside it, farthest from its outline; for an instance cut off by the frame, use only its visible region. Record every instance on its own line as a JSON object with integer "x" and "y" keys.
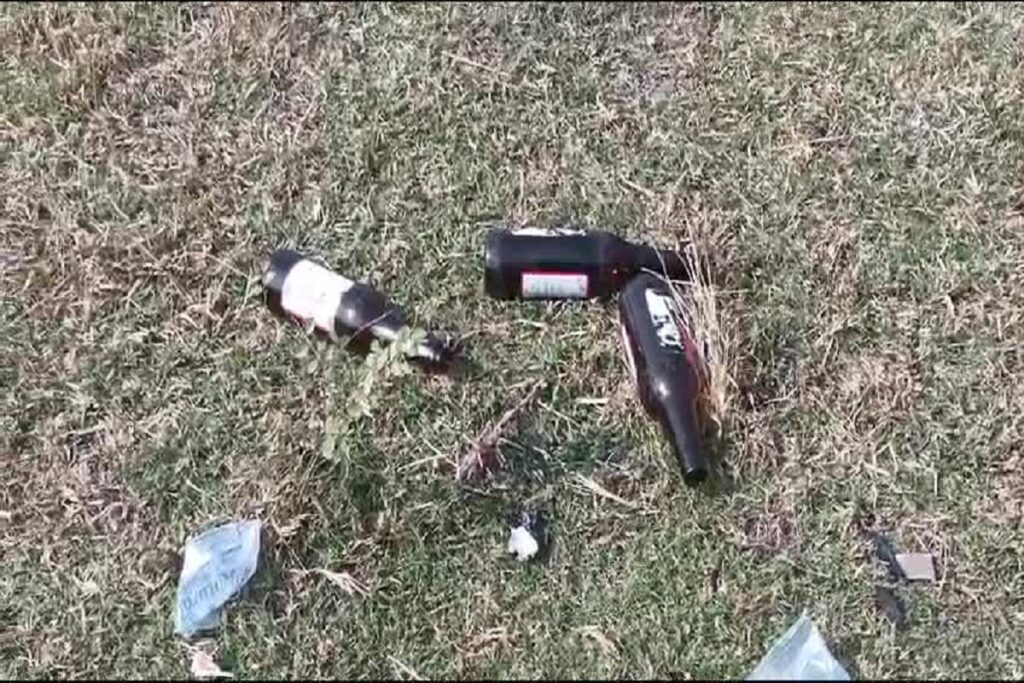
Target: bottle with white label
{"x": 665, "y": 365}
{"x": 536, "y": 263}
{"x": 302, "y": 290}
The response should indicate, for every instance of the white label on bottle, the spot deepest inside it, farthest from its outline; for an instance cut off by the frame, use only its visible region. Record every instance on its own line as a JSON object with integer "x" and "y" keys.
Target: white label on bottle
{"x": 554, "y": 286}
{"x": 311, "y": 292}
{"x": 546, "y": 232}
{"x": 663, "y": 316}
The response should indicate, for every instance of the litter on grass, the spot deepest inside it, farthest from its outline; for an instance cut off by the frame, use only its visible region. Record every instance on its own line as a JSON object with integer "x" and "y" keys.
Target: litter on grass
{"x": 917, "y": 566}
{"x": 218, "y": 563}
{"x": 901, "y": 568}
{"x": 527, "y": 532}
{"x": 522, "y": 544}
{"x": 883, "y": 549}
{"x": 800, "y": 654}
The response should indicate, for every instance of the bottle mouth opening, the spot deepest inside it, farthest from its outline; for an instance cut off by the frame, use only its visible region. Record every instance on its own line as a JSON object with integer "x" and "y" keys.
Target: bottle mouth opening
{"x": 695, "y": 475}
{"x": 439, "y": 348}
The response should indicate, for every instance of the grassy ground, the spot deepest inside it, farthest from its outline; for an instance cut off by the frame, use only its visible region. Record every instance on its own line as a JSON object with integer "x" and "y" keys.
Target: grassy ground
{"x": 858, "y": 170}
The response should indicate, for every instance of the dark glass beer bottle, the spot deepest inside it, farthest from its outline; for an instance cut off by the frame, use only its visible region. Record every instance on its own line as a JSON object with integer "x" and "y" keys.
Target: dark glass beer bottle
{"x": 535, "y": 263}
{"x": 302, "y": 290}
{"x": 664, "y": 363}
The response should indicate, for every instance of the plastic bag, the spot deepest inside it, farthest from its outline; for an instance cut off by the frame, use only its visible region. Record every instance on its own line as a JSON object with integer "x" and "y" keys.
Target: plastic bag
{"x": 799, "y": 655}
{"x": 218, "y": 563}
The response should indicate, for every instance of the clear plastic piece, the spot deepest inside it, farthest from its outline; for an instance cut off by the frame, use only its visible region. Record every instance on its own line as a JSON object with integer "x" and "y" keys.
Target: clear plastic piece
{"x": 218, "y": 563}
{"x": 799, "y": 655}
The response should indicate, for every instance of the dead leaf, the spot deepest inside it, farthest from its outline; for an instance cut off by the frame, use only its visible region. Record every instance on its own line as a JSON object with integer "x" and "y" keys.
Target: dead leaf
{"x": 344, "y": 581}
{"x": 203, "y": 666}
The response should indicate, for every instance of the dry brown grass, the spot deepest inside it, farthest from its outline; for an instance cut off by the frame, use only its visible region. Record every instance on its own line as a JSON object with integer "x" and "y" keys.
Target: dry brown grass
{"x": 852, "y": 172}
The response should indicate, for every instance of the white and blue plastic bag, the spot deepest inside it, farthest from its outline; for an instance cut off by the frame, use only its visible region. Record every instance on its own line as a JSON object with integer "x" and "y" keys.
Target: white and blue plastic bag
{"x": 799, "y": 655}
{"x": 218, "y": 563}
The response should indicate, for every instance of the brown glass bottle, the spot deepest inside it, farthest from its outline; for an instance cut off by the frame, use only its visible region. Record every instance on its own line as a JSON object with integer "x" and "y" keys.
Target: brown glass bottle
{"x": 663, "y": 360}
{"x": 302, "y": 290}
{"x": 535, "y": 263}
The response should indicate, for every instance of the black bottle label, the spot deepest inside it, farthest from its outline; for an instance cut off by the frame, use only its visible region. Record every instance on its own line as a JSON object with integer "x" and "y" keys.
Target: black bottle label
{"x": 548, "y": 285}
{"x": 312, "y": 293}
{"x": 663, "y": 311}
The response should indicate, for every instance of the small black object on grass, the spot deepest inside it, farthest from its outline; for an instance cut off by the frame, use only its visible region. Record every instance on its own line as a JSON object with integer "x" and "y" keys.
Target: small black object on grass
{"x": 887, "y": 598}
{"x": 885, "y": 552}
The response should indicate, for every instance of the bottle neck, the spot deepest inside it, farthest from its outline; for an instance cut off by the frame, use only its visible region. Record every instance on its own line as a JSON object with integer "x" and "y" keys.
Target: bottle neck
{"x": 434, "y": 350}
{"x": 681, "y": 423}
{"x": 668, "y": 263}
